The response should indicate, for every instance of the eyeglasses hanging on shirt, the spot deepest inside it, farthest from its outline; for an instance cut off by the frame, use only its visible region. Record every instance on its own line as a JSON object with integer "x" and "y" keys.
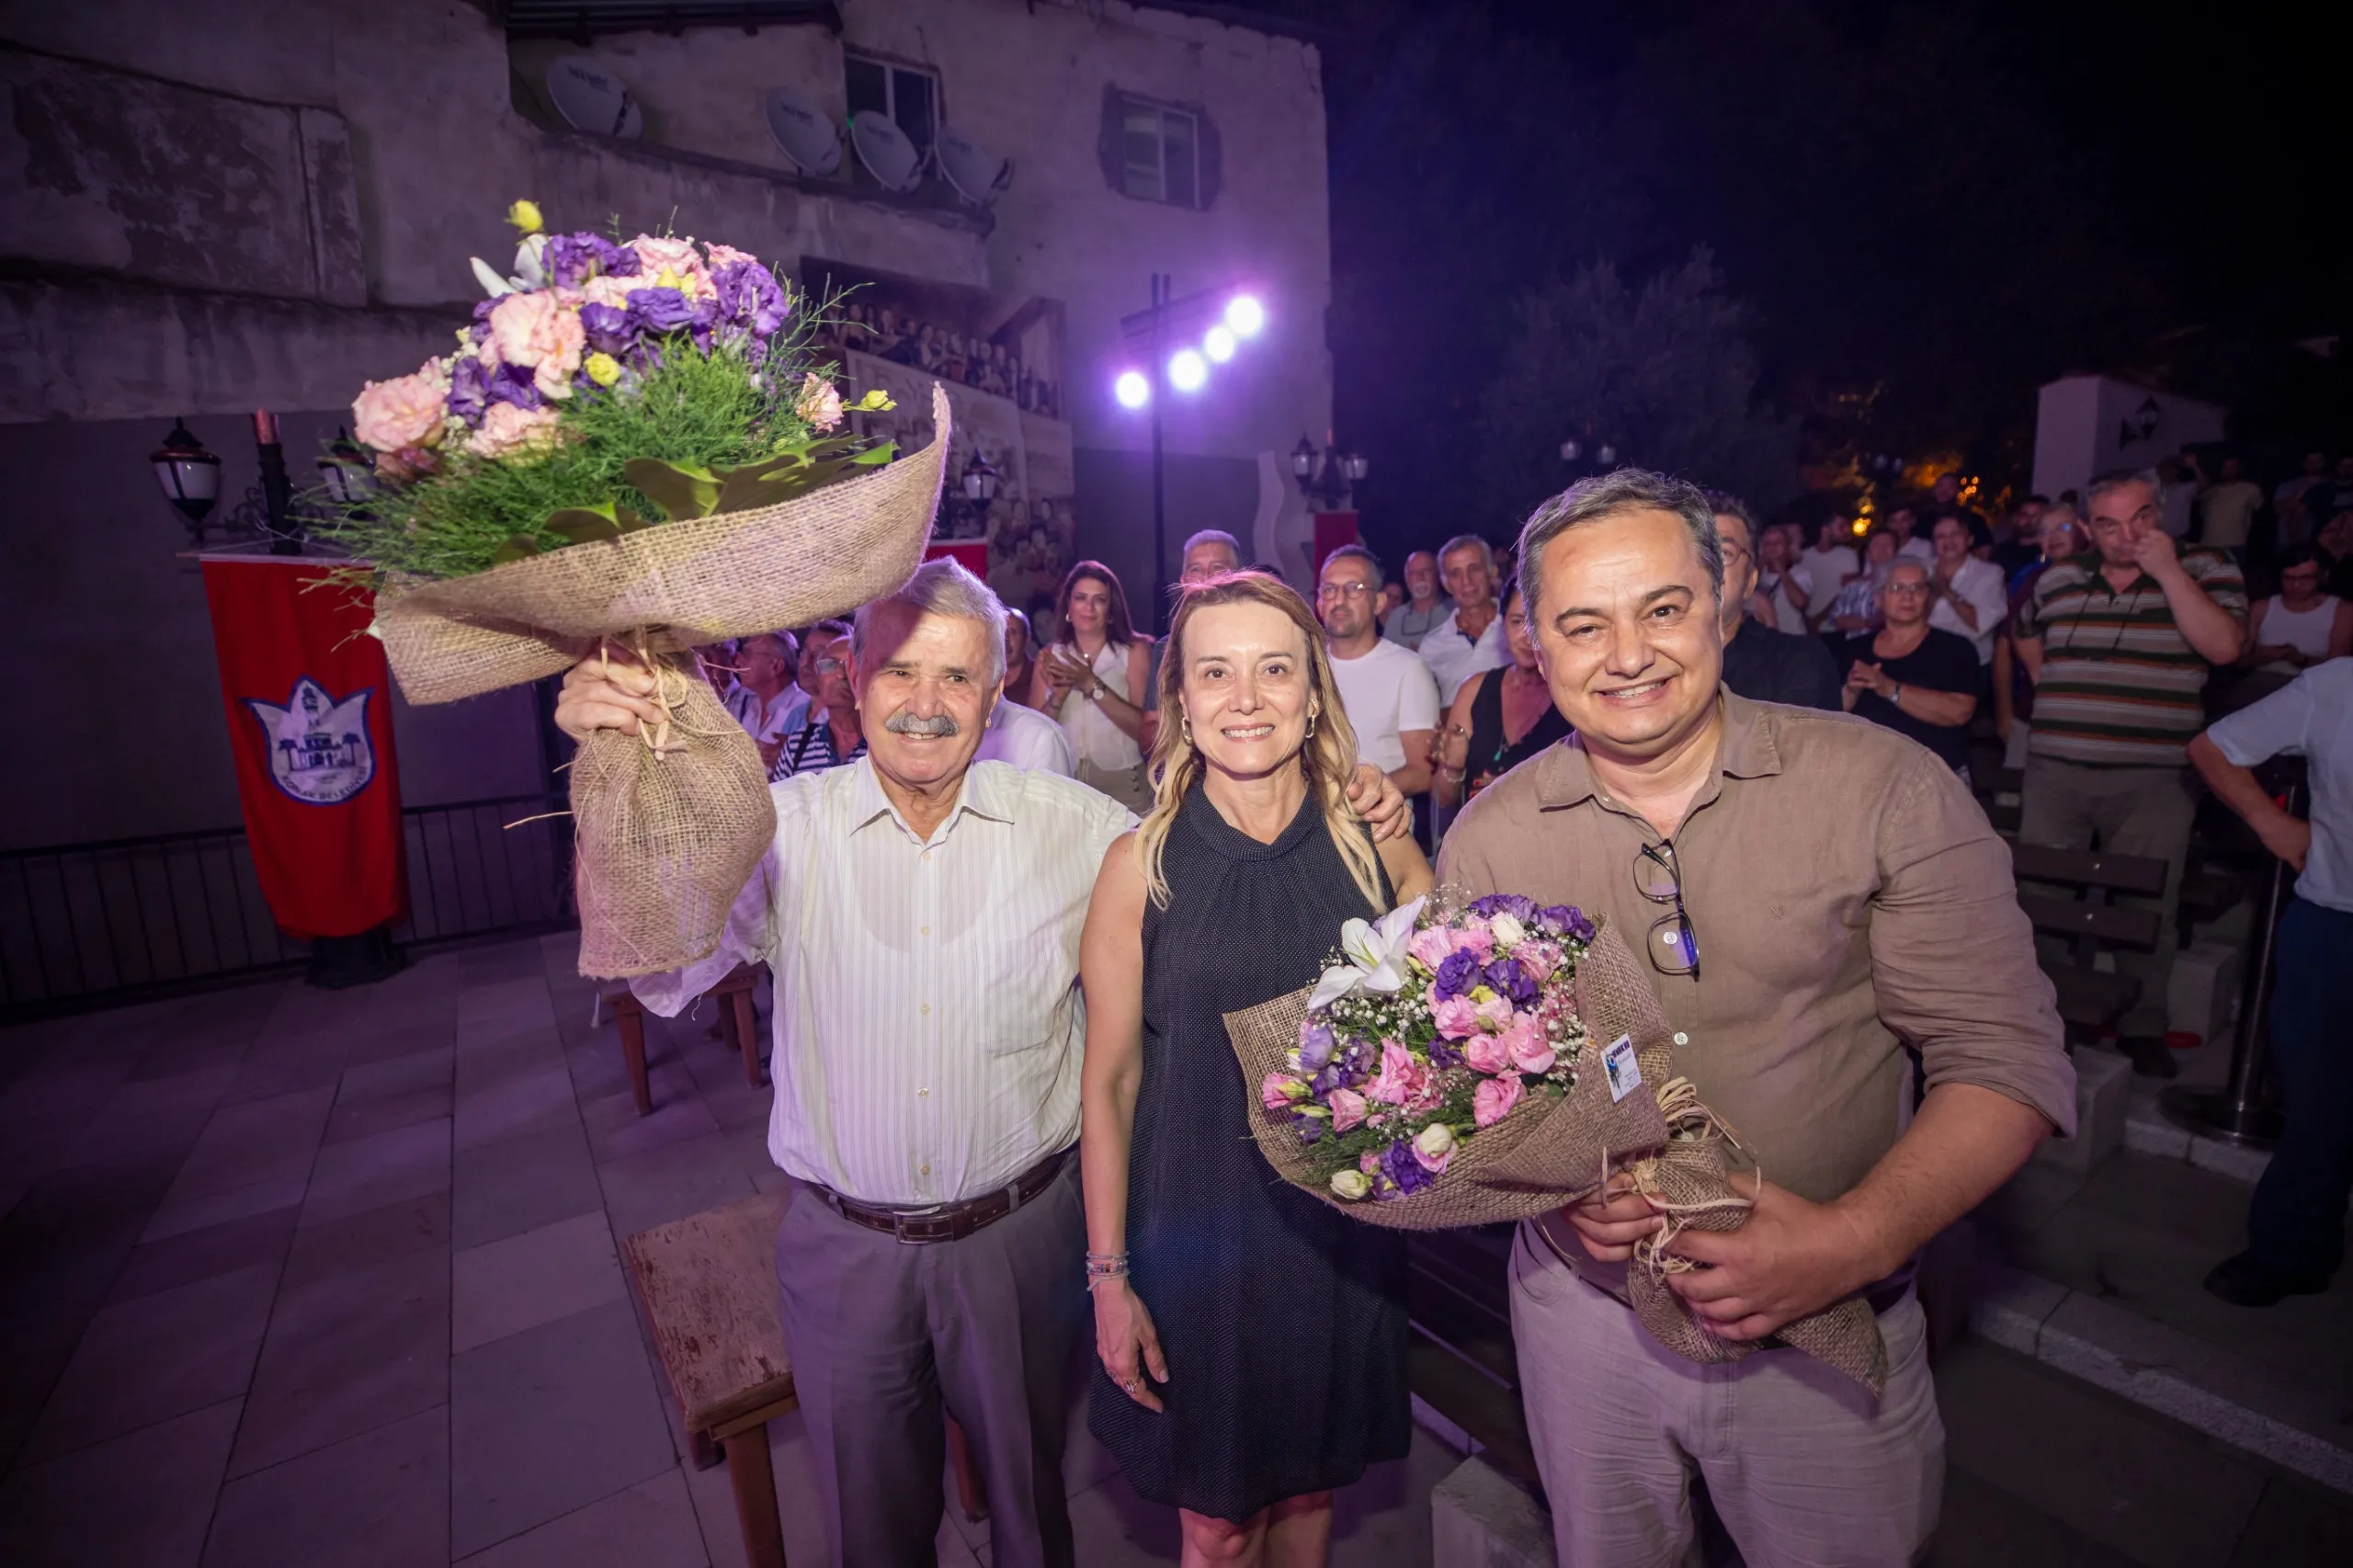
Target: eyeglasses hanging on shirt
{"x": 1673, "y": 944}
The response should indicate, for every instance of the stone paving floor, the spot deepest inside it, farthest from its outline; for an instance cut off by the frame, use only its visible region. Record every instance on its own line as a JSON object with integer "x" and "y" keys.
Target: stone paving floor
{"x": 293, "y": 1277}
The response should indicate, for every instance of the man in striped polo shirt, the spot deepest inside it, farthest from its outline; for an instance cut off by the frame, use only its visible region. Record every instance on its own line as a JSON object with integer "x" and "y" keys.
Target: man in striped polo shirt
{"x": 2118, "y": 644}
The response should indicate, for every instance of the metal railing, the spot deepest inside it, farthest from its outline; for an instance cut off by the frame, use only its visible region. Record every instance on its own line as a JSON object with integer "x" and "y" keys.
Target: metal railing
{"x": 89, "y": 925}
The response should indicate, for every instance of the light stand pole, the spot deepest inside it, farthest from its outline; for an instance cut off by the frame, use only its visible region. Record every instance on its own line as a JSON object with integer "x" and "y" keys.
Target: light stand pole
{"x": 1159, "y": 291}
{"x": 1223, "y": 319}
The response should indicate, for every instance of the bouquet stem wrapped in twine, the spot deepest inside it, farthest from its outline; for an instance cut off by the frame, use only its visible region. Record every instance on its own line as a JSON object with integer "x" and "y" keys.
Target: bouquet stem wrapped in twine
{"x": 1538, "y": 1160}
{"x": 671, "y": 824}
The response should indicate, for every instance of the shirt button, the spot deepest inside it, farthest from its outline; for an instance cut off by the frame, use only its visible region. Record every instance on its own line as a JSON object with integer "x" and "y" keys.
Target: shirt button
{"x": 927, "y": 930}
{"x": 926, "y": 1009}
{"x": 926, "y": 1171}
{"x": 923, "y": 1094}
{"x": 1682, "y": 1038}
{"x": 1666, "y": 938}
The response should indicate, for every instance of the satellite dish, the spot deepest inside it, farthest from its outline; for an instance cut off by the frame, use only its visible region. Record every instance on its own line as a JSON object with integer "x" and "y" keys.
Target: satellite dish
{"x": 976, "y": 173}
{"x": 811, "y": 140}
{"x": 885, "y": 150}
{"x": 592, "y": 99}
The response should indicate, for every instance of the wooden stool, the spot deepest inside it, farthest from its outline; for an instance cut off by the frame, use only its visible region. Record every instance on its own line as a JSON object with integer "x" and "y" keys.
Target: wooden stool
{"x": 709, "y": 1284}
{"x": 735, "y": 1026}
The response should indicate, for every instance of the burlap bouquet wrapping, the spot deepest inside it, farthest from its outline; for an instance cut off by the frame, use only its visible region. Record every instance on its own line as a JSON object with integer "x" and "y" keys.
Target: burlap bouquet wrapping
{"x": 1529, "y": 1164}
{"x": 670, "y": 825}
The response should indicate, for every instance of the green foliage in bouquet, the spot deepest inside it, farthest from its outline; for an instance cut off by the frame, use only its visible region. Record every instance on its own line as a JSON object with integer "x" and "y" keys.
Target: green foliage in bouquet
{"x": 695, "y": 434}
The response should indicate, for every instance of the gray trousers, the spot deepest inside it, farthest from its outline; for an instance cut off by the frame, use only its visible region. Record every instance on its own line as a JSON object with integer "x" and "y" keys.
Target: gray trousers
{"x": 883, "y": 1334}
{"x": 2135, "y": 811}
{"x": 1802, "y": 1465}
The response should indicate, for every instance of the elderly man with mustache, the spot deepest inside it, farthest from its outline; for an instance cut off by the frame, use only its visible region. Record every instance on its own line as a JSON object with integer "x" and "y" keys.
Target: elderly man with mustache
{"x": 921, "y": 912}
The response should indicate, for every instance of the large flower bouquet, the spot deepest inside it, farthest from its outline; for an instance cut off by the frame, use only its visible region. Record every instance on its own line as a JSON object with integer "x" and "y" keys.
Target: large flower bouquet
{"x": 1466, "y": 1063}
{"x": 633, "y": 446}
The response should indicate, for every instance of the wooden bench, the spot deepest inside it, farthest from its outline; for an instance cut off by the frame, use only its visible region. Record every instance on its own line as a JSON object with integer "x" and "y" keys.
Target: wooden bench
{"x": 2091, "y": 1001}
{"x": 735, "y": 1025}
{"x": 708, "y": 1283}
{"x": 708, "y": 1287}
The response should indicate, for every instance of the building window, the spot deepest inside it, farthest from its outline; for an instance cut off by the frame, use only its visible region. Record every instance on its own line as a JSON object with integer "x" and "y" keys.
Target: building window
{"x": 907, "y": 95}
{"x": 1160, "y": 150}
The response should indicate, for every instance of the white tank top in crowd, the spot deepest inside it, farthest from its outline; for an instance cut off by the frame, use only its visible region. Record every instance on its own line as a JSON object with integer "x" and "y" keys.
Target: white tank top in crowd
{"x": 2305, "y": 630}
{"x": 1092, "y": 735}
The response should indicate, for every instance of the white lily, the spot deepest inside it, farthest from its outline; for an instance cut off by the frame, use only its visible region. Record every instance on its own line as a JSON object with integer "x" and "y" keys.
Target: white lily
{"x": 487, "y": 275}
{"x": 1376, "y": 955}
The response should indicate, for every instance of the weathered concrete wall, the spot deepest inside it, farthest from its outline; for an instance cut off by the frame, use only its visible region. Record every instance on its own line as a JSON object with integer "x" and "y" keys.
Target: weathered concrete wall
{"x": 217, "y": 206}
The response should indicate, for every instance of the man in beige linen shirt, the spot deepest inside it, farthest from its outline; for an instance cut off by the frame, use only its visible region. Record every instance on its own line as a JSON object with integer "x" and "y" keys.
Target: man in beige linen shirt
{"x": 1814, "y": 893}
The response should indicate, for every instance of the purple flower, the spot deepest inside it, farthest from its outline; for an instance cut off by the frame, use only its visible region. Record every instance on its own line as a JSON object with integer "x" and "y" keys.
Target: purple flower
{"x": 1315, "y": 1046}
{"x": 514, "y": 383}
{"x": 1506, "y": 978}
{"x": 469, "y": 390}
{"x": 572, "y": 260}
{"x": 1400, "y": 1167}
{"x": 1311, "y": 1128}
{"x": 749, "y": 299}
{"x": 1521, "y": 909}
{"x": 1458, "y": 973}
{"x": 607, "y": 328}
{"x": 704, "y": 316}
{"x": 1444, "y": 1053}
{"x": 659, "y": 310}
{"x": 1574, "y": 923}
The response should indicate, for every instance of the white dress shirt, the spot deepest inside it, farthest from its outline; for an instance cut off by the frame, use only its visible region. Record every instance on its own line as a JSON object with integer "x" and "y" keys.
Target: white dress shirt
{"x": 1024, "y": 738}
{"x": 928, "y": 1024}
{"x": 1454, "y": 658}
{"x": 783, "y": 717}
{"x": 1978, "y": 584}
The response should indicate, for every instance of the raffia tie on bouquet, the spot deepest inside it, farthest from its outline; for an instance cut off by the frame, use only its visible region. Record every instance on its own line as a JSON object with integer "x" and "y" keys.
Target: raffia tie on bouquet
{"x": 1689, "y": 1180}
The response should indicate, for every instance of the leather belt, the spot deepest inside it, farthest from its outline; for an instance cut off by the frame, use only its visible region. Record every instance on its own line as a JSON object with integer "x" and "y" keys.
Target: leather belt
{"x": 947, "y": 1221}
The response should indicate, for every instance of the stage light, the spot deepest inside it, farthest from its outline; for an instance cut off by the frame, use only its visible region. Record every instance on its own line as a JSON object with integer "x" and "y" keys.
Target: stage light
{"x": 1132, "y": 389}
{"x": 1219, "y": 344}
{"x": 1188, "y": 372}
{"x": 1246, "y": 315}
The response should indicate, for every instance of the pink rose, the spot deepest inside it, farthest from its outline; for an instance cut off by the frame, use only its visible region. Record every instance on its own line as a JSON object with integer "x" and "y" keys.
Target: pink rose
{"x": 1400, "y": 1078}
{"x": 1430, "y": 947}
{"x": 406, "y": 410}
{"x": 1494, "y": 1013}
{"x": 1456, "y": 1016}
{"x": 613, "y": 291}
{"x": 721, "y": 255}
{"x": 1348, "y": 1108}
{"x": 820, "y": 404}
{"x": 1530, "y": 1051}
{"x": 1475, "y": 939}
{"x": 1493, "y": 1100}
{"x": 539, "y": 331}
{"x": 1274, "y": 1093}
{"x": 1539, "y": 959}
{"x": 507, "y": 430}
{"x": 1486, "y": 1053}
{"x": 679, "y": 259}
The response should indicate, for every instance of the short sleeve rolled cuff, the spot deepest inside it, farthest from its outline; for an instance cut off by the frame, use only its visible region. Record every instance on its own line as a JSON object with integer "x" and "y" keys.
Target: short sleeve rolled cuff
{"x": 2311, "y": 717}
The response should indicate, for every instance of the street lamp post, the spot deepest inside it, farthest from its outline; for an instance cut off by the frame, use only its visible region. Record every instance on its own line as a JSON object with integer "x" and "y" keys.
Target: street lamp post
{"x": 1327, "y": 478}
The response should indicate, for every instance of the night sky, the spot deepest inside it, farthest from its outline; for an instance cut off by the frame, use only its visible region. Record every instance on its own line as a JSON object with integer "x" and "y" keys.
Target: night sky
{"x": 1925, "y": 213}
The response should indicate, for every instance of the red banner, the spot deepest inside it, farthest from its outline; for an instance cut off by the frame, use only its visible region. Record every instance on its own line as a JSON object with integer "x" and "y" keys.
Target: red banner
{"x": 1332, "y": 529}
{"x": 971, "y": 554}
{"x": 310, "y": 709}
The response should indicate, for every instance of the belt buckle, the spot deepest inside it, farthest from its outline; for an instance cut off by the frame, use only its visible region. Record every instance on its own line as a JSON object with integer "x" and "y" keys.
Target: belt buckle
{"x": 899, "y": 1218}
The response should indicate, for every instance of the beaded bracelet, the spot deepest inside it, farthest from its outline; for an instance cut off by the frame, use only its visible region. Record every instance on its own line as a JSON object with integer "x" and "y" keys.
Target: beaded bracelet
{"x": 1102, "y": 1266}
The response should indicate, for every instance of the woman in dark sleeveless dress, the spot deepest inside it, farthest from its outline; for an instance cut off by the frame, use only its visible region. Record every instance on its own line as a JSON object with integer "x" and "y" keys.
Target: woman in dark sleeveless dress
{"x": 1253, "y": 1338}
{"x": 1499, "y": 718}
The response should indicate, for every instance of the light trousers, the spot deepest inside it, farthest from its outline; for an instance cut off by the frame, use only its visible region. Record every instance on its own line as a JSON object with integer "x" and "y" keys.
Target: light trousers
{"x": 1801, "y": 1464}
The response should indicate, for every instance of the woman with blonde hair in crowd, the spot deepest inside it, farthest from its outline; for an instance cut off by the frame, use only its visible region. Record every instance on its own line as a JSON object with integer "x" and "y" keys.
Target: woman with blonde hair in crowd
{"x": 1252, "y": 1338}
{"x": 1092, "y": 682}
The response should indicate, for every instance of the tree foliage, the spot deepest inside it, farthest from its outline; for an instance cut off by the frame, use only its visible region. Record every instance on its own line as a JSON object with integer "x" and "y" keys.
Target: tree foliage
{"x": 1667, "y": 371}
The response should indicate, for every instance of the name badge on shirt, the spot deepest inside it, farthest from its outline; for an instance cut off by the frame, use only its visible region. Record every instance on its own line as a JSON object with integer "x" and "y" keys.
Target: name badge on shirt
{"x": 1625, "y": 1073}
